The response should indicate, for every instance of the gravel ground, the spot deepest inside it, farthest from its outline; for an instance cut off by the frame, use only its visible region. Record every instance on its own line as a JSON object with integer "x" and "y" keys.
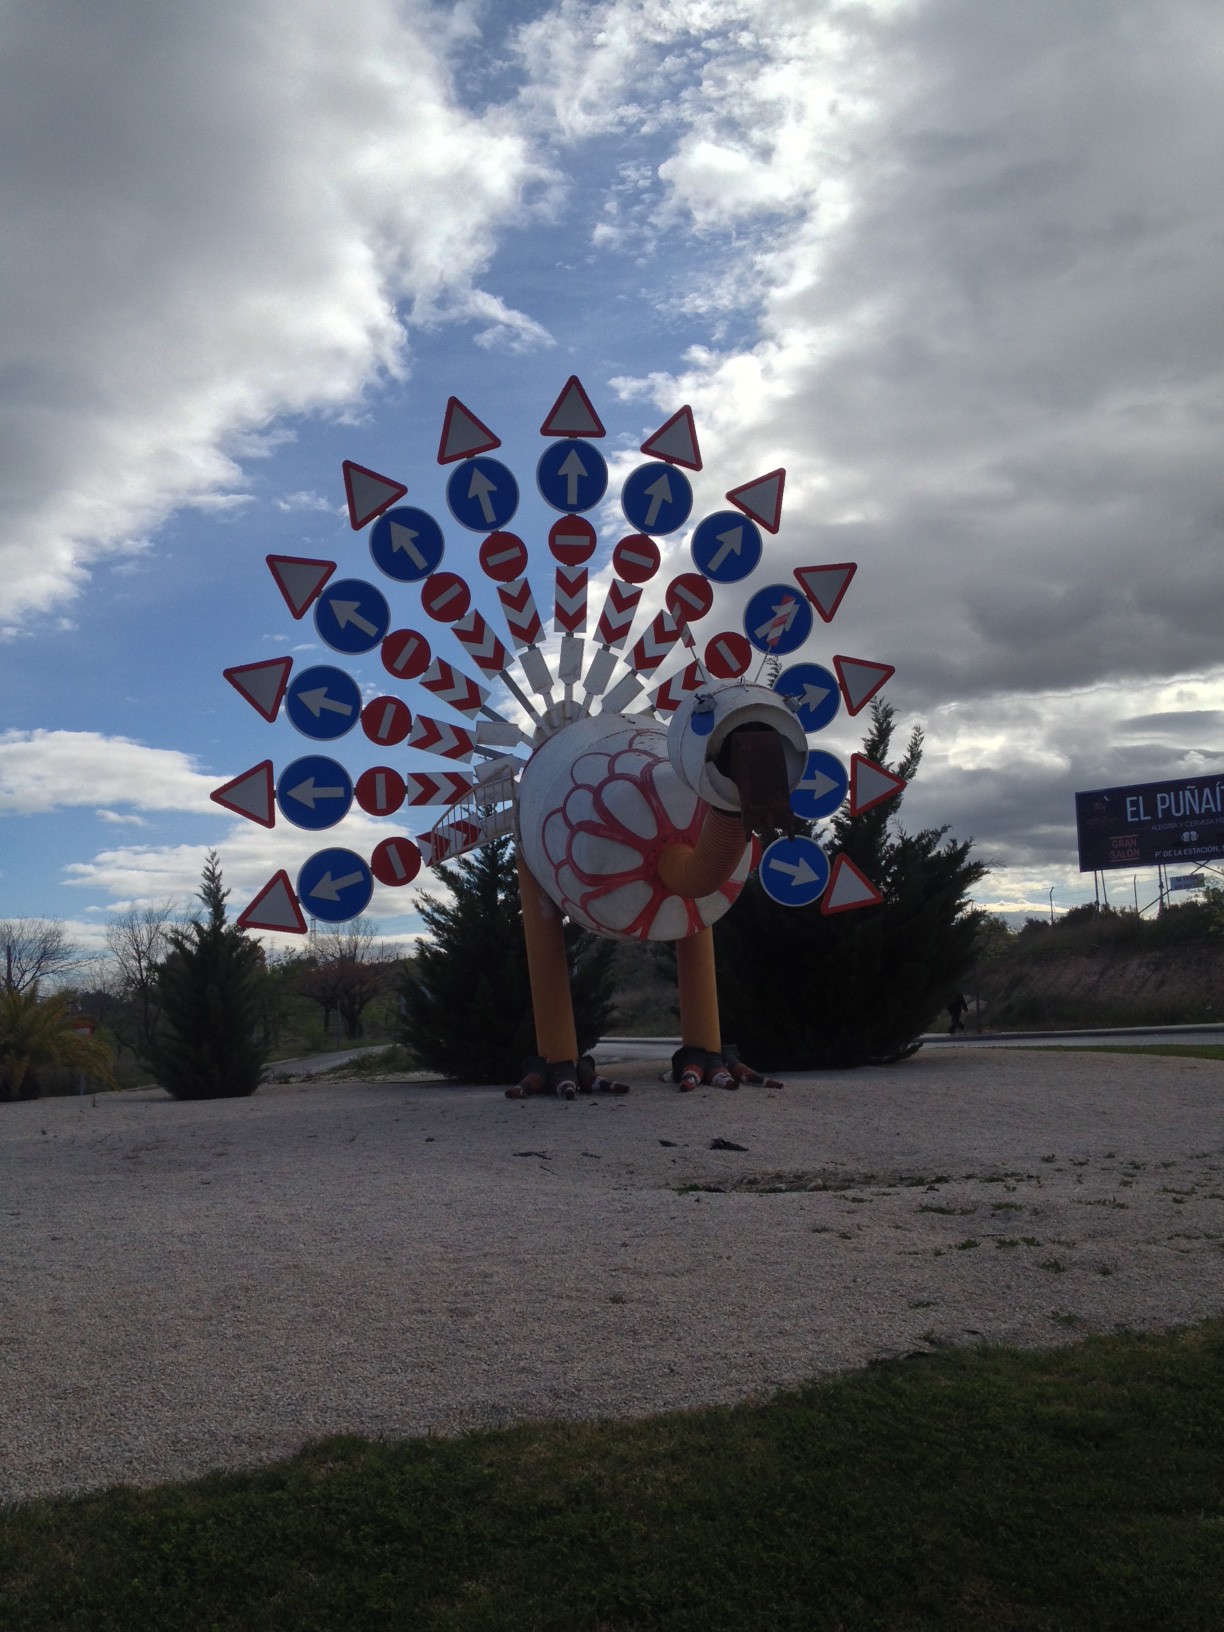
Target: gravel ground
{"x": 193, "y": 1286}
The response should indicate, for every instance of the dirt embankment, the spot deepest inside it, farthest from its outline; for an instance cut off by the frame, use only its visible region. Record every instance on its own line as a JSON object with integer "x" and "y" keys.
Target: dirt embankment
{"x": 1048, "y": 985}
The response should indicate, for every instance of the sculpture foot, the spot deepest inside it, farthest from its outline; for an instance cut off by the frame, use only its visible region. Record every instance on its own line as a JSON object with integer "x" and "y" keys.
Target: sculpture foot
{"x": 745, "y": 1073}
{"x": 692, "y": 1066}
{"x": 590, "y": 1082}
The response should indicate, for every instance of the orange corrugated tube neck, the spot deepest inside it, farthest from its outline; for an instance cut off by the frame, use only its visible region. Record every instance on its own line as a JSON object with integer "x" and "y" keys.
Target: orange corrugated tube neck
{"x": 699, "y": 869}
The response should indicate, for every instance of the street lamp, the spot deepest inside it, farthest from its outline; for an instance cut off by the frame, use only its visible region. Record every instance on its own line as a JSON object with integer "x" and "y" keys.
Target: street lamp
{"x": 1051, "y": 903}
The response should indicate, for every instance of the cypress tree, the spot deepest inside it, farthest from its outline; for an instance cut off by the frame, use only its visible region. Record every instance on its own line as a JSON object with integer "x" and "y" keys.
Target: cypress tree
{"x": 207, "y": 1045}
{"x": 466, "y": 997}
{"x": 800, "y": 990}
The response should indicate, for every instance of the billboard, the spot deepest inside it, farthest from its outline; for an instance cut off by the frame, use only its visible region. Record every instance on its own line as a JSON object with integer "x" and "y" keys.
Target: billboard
{"x": 1150, "y": 823}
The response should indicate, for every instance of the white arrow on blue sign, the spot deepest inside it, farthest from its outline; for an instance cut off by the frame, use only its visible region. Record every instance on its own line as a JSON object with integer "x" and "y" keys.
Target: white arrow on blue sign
{"x": 352, "y": 616}
{"x": 406, "y": 544}
{"x": 335, "y": 885}
{"x": 777, "y": 619}
{"x": 815, "y": 692}
{"x": 323, "y": 702}
{"x": 656, "y": 498}
{"x": 793, "y": 872}
{"x": 314, "y": 792}
{"x": 821, "y": 788}
{"x": 572, "y": 476}
{"x": 482, "y": 495}
{"x": 726, "y": 546}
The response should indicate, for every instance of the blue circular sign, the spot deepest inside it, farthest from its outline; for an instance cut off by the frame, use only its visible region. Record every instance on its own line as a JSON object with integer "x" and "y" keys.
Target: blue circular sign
{"x": 793, "y": 872}
{"x": 821, "y": 788}
{"x": 816, "y": 693}
{"x": 406, "y": 543}
{"x": 323, "y": 702}
{"x": 777, "y": 619}
{"x": 482, "y": 494}
{"x": 335, "y": 885}
{"x": 314, "y": 792}
{"x": 572, "y": 476}
{"x": 726, "y": 546}
{"x": 352, "y": 616}
{"x": 656, "y": 498}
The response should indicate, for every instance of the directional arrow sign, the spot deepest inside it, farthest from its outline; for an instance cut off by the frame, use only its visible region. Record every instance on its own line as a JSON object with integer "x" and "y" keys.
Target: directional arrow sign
{"x": 870, "y": 784}
{"x": 636, "y": 558}
{"x": 262, "y": 684}
{"x": 777, "y": 619}
{"x": 380, "y": 790}
{"x": 463, "y": 434}
{"x": 250, "y": 794}
{"x": 324, "y": 702}
{"x": 352, "y": 616}
{"x": 368, "y": 493}
{"x": 314, "y": 792}
{"x": 386, "y": 720}
{"x": 794, "y": 872}
{"x": 275, "y": 907}
{"x": 825, "y": 586}
{"x": 445, "y": 597}
{"x": 675, "y": 441}
{"x": 821, "y": 788}
{"x": 656, "y": 498}
{"x": 406, "y": 544}
{"x": 482, "y": 495}
{"x": 572, "y": 413}
{"x": 395, "y": 861}
{"x": 860, "y": 679}
{"x": 849, "y": 888}
{"x": 761, "y": 499}
{"x": 572, "y": 477}
{"x": 299, "y": 579}
{"x": 335, "y": 885}
{"x": 726, "y": 547}
{"x": 814, "y": 691}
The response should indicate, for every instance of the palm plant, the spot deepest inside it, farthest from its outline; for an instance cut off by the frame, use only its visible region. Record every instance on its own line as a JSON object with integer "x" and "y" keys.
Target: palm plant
{"x": 36, "y": 1035}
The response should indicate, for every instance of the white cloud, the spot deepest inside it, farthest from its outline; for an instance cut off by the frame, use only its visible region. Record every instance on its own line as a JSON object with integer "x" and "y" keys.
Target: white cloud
{"x": 211, "y": 214}
{"x": 42, "y": 771}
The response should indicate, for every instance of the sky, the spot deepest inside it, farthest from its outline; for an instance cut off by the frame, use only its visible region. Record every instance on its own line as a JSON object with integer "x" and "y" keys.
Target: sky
{"x": 956, "y": 265}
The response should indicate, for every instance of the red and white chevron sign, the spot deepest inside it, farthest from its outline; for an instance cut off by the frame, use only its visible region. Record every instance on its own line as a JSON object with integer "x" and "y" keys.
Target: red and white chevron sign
{"x": 666, "y": 699}
{"x": 474, "y": 632}
{"x": 522, "y": 619}
{"x": 571, "y": 600}
{"x": 449, "y": 839}
{"x": 453, "y": 687}
{"x": 440, "y": 737}
{"x": 435, "y": 787}
{"x": 619, "y": 608}
{"x": 655, "y": 644}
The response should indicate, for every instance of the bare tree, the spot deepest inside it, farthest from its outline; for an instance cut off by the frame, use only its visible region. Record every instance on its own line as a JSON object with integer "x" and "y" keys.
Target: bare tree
{"x": 33, "y": 951}
{"x": 347, "y": 970}
{"x": 138, "y": 940}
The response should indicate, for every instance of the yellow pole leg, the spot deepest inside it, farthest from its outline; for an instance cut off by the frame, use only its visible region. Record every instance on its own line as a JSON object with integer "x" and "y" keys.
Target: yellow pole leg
{"x": 699, "y": 1026}
{"x": 548, "y": 971}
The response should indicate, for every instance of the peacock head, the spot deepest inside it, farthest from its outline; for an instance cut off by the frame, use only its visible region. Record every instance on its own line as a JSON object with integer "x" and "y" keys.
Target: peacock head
{"x": 741, "y": 749}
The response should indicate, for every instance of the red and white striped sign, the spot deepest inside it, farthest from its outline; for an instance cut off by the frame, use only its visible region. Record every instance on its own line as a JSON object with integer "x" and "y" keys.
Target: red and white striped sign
{"x": 522, "y": 619}
{"x": 618, "y": 612}
{"x": 728, "y": 655}
{"x": 655, "y": 644}
{"x": 440, "y": 737}
{"x": 666, "y": 699}
{"x": 445, "y": 596}
{"x": 571, "y": 541}
{"x": 405, "y": 654}
{"x": 379, "y": 791}
{"x": 454, "y": 687}
{"x": 503, "y": 557}
{"x": 435, "y": 787}
{"x": 386, "y": 720}
{"x": 570, "y": 610}
{"x": 395, "y": 861}
{"x": 449, "y": 839}
{"x": 481, "y": 642}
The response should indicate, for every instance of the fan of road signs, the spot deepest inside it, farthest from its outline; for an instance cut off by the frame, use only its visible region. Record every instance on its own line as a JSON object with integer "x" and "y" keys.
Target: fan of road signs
{"x": 482, "y": 755}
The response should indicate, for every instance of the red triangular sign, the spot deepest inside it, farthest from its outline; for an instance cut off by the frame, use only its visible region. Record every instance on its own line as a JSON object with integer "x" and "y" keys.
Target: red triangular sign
{"x": 299, "y": 579}
{"x": 572, "y": 414}
{"x": 250, "y": 794}
{"x": 675, "y": 441}
{"x": 463, "y": 435}
{"x": 870, "y": 783}
{"x": 825, "y": 586}
{"x": 262, "y": 684}
{"x": 275, "y": 907}
{"x": 368, "y": 493}
{"x": 860, "y": 679}
{"x": 761, "y": 499}
{"x": 848, "y": 888}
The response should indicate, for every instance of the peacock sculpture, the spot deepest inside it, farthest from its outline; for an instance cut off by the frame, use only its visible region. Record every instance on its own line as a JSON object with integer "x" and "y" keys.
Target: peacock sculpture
{"x": 634, "y": 775}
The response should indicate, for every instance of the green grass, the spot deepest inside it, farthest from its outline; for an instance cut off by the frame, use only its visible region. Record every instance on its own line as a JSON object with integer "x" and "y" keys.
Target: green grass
{"x": 984, "y": 1488}
{"x": 1190, "y": 1051}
